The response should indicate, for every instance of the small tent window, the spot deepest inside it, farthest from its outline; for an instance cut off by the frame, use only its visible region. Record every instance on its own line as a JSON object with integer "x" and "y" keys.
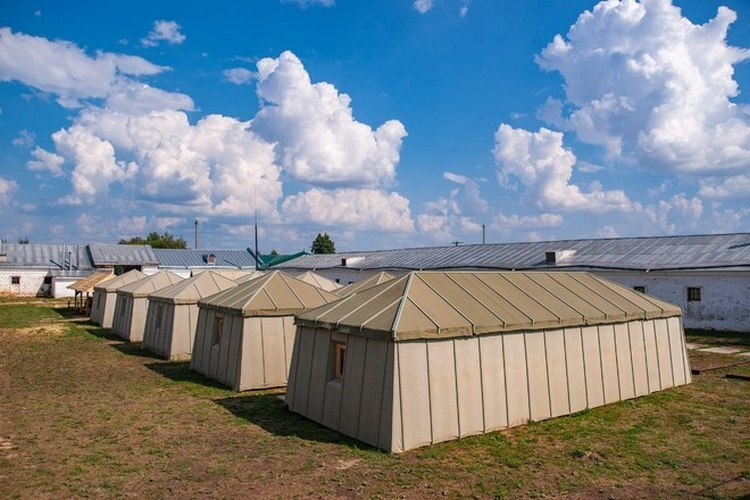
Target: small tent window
{"x": 339, "y": 360}
{"x": 218, "y": 329}
{"x": 48, "y": 280}
{"x": 694, "y": 294}
{"x": 158, "y": 316}
{"x": 640, "y": 288}
{"x": 15, "y": 280}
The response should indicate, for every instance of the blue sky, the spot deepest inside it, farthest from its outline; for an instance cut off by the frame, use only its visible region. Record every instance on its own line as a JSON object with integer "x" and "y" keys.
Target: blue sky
{"x": 385, "y": 124}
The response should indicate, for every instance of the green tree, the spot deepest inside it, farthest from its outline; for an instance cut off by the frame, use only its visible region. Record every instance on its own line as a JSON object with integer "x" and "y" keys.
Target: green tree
{"x": 323, "y": 244}
{"x": 274, "y": 253}
{"x": 157, "y": 240}
{"x": 23, "y": 241}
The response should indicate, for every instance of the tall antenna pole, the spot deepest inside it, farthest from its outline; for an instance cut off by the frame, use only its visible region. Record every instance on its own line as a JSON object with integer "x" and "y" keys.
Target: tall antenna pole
{"x": 196, "y": 234}
{"x": 483, "y": 234}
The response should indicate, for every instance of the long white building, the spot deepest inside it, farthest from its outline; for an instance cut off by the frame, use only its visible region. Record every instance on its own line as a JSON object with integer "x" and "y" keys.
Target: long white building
{"x": 708, "y": 276}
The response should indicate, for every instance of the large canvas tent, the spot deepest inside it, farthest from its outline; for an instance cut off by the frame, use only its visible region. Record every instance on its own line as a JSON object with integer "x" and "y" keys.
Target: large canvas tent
{"x": 434, "y": 356}
{"x": 173, "y": 313}
{"x": 129, "y": 318}
{"x": 364, "y": 284}
{"x": 319, "y": 281}
{"x": 245, "y": 334}
{"x": 105, "y": 297}
{"x": 249, "y": 276}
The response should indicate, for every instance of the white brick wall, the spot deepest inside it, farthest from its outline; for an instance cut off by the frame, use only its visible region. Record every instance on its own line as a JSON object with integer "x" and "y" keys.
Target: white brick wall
{"x": 32, "y": 282}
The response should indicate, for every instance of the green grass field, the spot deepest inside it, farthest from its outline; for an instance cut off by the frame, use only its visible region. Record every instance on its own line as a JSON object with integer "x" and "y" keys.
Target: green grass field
{"x": 85, "y": 414}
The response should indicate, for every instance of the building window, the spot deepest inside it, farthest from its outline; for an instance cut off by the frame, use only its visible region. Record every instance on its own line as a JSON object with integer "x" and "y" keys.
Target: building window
{"x": 15, "y": 280}
{"x": 48, "y": 280}
{"x": 338, "y": 280}
{"x": 693, "y": 294}
{"x": 218, "y": 329}
{"x": 339, "y": 360}
{"x": 640, "y": 288}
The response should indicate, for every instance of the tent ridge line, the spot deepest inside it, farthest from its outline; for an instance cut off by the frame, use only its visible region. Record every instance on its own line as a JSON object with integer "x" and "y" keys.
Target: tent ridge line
{"x": 404, "y": 295}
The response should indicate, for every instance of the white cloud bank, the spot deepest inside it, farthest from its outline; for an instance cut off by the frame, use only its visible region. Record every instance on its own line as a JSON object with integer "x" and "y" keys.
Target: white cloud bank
{"x": 164, "y": 31}
{"x": 353, "y": 208}
{"x": 545, "y": 167}
{"x": 662, "y": 91}
{"x": 140, "y": 138}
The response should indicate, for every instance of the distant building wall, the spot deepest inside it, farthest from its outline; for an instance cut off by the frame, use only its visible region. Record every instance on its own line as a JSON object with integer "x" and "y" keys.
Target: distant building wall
{"x": 724, "y": 295}
{"x": 30, "y": 282}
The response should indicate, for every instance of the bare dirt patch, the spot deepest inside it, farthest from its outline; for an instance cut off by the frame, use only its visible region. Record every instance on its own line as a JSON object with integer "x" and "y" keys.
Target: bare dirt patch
{"x": 84, "y": 414}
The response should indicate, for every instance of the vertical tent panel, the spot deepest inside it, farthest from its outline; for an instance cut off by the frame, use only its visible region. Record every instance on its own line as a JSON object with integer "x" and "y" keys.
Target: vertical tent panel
{"x": 624, "y": 361}
{"x": 593, "y": 366}
{"x": 638, "y": 355}
{"x": 274, "y": 353}
{"x": 304, "y": 349}
{"x": 517, "y": 381}
{"x": 575, "y": 369}
{"x": 372, "y": 393}
{"x": 441, "y": 389}
{"x": 469, "y": 386}
{"x": 557, "y": 375}
{"x": 537, "y": 373}
{"x": 652, "y": 358}
{"x": 677, "y": 350}
{"x": 319, "y": 374}
{"x": 351, "y": 399}
{"x": 414, "y": 387}
{"x": 608, "y": 363}
{"x": 493, "y": 381}
{"x": 664, "y": 357}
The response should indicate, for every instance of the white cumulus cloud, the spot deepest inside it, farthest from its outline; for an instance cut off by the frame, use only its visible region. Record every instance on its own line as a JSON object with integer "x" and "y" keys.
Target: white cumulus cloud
{"x": 317, "y": 137}
{"x": 46, "y": 160}
{"x": 504, "y": 222}
{"x": 25, "y": 139}
{"x": 423, "y": 6}
{"x": 164, "y": 31}
{"x": 239, "y": 76}
{"x": 64, "y": 69}
{"x": 545, "y": 167}
{"x": 369, "y": 209}
{"x": 7, "y": 187}
{"x": 662, "y": 89}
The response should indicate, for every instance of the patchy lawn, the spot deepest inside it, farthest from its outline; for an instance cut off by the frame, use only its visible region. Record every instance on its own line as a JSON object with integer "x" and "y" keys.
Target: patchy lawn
{"x": 84, "y": 414}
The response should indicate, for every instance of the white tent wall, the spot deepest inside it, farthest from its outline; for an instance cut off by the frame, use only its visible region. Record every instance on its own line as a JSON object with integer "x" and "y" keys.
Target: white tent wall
{"x": 361, "y": 404}
{"x": 97, "y": 307}
{"x": 445, "y": 389}
{"x": 171, "y": 336}
{"x": 109, "y": 303}
{"x": 129, "y": 318}
{"x": 252, "y": 353}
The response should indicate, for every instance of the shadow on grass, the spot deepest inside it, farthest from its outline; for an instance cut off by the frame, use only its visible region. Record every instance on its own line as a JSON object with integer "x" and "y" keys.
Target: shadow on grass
{"x": 179, "y": 371}
{"x": 133, "y": 349}
{"x": 97, "y": 331}
{"x": 718, "y": 337}
{"x": 70, "y": 313}
{"x": 268, "y": 412}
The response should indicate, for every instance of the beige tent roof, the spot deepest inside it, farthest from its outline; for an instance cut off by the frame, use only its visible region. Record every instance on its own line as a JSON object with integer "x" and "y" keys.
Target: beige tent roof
{"x": 119, "y": 281}
{"x": 275, "y": 294}
{"x": 319, "y": 281}
{"x": 191, "y": 290}
{"x": 86, "y": 285}
{"x": 249, "y": 276}
{"x": 364, "y": 284}
{"x": 232, "y": 274}
{"x": 145, "y": 286}
{"x": 426, "y": 304}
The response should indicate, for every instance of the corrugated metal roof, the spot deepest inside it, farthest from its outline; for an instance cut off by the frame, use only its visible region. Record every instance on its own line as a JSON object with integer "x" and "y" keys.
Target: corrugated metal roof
{"x": 86, "y": 285}
{"x": 319, "y": 281}
{"x": 191, "y": 290}
{"x": 107, "y": 255}
{"x": 113, "y": 284}
{"x": 431, "y": 304}
{"x": 149, "y": 284}
{"x": 654, "y": 253}
{"x": 364, "y": 284}
{"x": 190, "y": 258}
{"x": 274, "y": 294}
{"x": 46, "y": 256}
